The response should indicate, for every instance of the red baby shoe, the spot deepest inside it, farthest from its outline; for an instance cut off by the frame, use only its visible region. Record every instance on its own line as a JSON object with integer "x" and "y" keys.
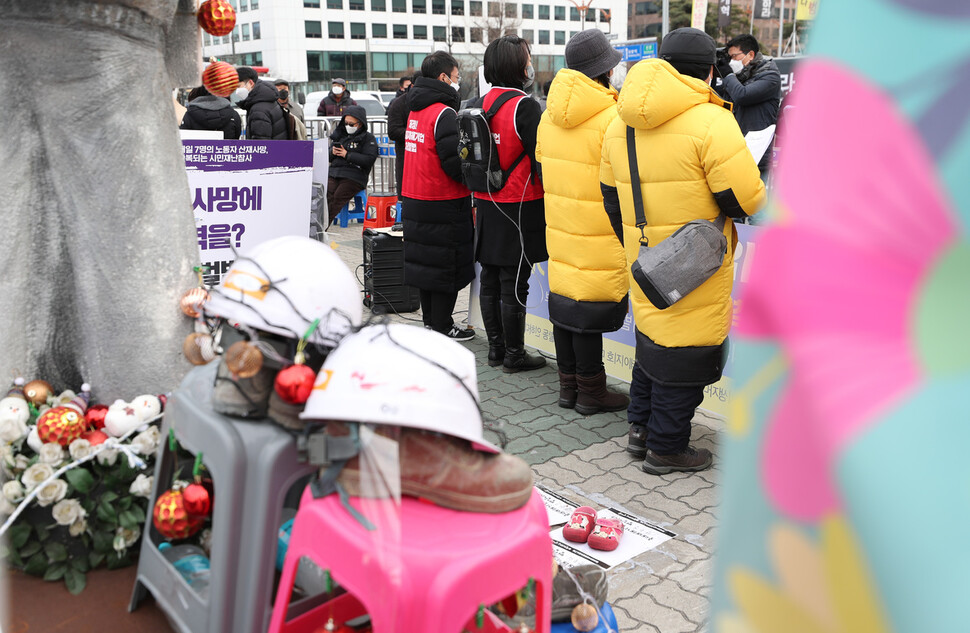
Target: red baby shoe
{"x": 606, "y": 535}
{"x": 580, "y": 525}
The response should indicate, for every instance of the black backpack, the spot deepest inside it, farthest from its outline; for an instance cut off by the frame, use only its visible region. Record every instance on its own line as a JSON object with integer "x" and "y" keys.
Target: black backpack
{"x": 480, "y": 166}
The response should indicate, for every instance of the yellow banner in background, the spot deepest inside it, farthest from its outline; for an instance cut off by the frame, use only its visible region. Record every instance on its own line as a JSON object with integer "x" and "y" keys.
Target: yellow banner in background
{"x": 698, "y": 14}
{"x": 806, "y": 9}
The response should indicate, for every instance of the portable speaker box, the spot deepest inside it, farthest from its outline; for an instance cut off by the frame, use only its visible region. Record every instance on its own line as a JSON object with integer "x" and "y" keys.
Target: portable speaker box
{"x": 384, "y": 273}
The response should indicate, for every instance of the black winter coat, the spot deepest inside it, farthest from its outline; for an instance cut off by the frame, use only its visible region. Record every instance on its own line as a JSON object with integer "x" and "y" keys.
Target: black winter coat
{"x": 397, "y": 123}
{"x": 209, "y": 112}
{"x": 330, "y": 106}
{"x": 756, "y": 94}
{"x": 265, "y": 118}
{"x": 439, "y": 234}
{"x": 361, "y": 149}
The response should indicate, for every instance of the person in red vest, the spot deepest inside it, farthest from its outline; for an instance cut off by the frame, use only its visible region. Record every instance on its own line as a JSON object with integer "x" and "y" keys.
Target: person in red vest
{"x": 436, "y": 206}
{"x": 511, "y": 221}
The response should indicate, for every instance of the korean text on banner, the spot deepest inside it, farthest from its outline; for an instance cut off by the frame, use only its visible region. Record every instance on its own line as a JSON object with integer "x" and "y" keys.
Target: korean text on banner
{"x": 806, "y": 9}
{"x": 764, "y": 9}
{"x": 698, "y": 14}
{"x": 245, "y": 193}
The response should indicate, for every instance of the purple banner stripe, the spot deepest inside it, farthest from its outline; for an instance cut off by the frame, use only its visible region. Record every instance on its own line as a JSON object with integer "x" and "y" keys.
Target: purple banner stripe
{"x": 247, "y": 155}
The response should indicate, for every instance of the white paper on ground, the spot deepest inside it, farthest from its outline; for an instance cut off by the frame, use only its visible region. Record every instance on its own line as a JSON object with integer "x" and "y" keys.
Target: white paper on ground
{"x": 639, "y": 536}
{"x": 759, "y": 141}
{"x": 558, "y": 507}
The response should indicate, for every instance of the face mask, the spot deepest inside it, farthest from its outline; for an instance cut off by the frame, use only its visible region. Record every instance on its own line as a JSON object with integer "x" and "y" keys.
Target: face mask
{"x": 736, "y": 65}
{"x": 457, "y": 87}
{"x": 351, "y": 129}
{"x": 240, "y": 94}
{"x": 284, "y": 94}
{"x": 530, "y": 76}
{"x": 338, "y": 90}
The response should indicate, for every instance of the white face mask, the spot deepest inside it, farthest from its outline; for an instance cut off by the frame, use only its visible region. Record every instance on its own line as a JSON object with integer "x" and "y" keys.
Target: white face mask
{"x": 351, "y": 129}
{"x": 240, "y": 94}
{"x": 457, "y": 87}
{"x": 338, "y": 90}
{"x": 736, "y": 65}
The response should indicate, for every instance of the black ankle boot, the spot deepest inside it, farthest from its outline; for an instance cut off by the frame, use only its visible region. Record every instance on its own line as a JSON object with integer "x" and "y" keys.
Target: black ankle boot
{"x": 491, "y": 306}
{"x": 516, "y": 359}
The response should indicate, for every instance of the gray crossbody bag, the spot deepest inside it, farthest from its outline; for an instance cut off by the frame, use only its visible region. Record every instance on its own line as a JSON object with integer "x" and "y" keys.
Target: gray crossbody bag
{"x": 669, "y": 271}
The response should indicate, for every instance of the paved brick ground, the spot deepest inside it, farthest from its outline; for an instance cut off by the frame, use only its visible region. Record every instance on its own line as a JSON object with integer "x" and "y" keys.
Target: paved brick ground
{"x": 584, "y": 458}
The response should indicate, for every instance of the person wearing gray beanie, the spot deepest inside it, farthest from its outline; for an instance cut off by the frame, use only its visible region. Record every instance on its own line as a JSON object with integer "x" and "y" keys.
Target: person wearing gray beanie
{"x": 587, "y": 297}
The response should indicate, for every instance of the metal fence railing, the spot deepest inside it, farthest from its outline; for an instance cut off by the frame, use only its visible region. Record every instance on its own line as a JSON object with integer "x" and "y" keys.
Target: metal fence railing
{"x": 383, "y": 177}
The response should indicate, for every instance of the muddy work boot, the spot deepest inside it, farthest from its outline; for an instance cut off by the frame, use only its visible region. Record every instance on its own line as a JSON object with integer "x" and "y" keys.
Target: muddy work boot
{"x": 567, "y": 390}
{"x": 637, "y": 441}
{"x": 243, "y": 397}
{"x": 595, "y": 397}
{"x": 688, "y": 460}
{"x": 450, "y": 473}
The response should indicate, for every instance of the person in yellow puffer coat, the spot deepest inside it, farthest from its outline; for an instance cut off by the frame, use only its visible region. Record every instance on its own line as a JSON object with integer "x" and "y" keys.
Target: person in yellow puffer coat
{"x": 693, "y": 164}
{"x": 588, "y": 283}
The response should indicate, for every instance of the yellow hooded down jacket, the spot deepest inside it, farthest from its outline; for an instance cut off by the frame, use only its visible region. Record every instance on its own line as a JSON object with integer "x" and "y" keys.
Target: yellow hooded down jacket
{"x": 588, "y": 282}
{"x": 693, "y": 164}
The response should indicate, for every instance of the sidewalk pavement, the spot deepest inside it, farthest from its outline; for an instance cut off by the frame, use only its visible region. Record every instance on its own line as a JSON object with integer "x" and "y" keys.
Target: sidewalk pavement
{"x": 584, "y": 459}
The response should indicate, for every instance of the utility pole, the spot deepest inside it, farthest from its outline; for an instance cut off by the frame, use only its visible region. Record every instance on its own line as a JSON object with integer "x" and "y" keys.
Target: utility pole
{"x": 781, "y": 27}
{"x": 666, "y": 21}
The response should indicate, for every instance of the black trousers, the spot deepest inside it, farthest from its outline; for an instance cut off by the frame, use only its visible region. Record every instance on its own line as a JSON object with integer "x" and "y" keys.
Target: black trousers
{"x": 666, "y": 412}
{"x": 437, "y": 308}
{"x": 509, "y": 282}
{"x": 578, "y": 353}
{"x": 339, "y": 193}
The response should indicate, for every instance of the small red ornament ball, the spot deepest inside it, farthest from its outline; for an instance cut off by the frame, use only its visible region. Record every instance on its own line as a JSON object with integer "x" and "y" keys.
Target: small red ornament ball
{"x": 95, "y": 415}
{"x": 95, "y": 437}
{"x": 196, "y": 500}
{"x": 171, "y": 518}
{"x": 220, "y": 79}
{"x": 217, "y": 17}
{"x": 61, "y": 424}
{"x": 294, "y": 383}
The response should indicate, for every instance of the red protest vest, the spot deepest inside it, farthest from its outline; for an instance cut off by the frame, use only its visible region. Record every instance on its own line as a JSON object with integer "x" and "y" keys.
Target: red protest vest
{"x": 509, "y": 146}
{"x": 425, "y": 180}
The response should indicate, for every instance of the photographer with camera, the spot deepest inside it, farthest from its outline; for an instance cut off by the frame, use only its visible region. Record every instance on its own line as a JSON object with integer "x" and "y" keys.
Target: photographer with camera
{"x": 752, "y": 83}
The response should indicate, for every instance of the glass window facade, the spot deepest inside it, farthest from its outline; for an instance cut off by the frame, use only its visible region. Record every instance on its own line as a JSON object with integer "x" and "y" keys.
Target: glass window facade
{"x": 312, "y": 29}
{"x": 335, "y": 30}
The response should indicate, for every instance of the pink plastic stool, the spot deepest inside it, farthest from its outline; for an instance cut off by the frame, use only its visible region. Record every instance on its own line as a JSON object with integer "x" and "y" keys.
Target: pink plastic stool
{"x": 430, "y": 573}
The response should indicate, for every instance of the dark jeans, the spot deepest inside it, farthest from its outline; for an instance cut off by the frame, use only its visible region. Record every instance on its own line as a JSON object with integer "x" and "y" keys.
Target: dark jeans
{"x": 509, "y": 282}
{"x": 666, "y": 412}
{"x": 578, "y": 353}
{"x": 437, "y": 308}
{"x": 339, "y": 192}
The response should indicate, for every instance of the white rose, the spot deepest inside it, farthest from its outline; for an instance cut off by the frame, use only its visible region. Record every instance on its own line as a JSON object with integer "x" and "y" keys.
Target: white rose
{"x": 13, "y": 491}
{"x": 33, "y": 439}
{"x": 36, "y": 475}
{"x": 147, "y": 441}
{"x": 119, "y": 544}
{"x": 78, "y": 528}
{"x": 6, "y": 508}
{"x": 128, "y": 537}
{"x": 79, "y": 449}
{"x": 51, "y": 493}
{"x": 68, "y": 511}
{"x": 108, "y": 457}
{"x": 12, "y": 429}
{"x": 52, "y": 453}
{"x": 142, "y": 486}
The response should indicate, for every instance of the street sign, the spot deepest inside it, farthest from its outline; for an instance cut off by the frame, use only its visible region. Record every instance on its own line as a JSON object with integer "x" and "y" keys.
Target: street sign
{"x": 612, "y": 36}
{"x": 636, "y": 52}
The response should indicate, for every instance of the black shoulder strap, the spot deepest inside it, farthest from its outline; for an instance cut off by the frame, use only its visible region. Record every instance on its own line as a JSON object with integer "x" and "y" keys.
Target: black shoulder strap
{"x": 502, "y": 99}
{"x": 631, "y": 150}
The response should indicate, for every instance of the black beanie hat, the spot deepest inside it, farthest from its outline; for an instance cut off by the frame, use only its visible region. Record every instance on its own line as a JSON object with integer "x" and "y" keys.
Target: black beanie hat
{"x": 688, "y": 45}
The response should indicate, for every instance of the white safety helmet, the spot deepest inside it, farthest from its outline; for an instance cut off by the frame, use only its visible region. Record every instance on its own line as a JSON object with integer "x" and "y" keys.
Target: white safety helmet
{"x": 283, "y": 285}
{"x": 401, "y": 375}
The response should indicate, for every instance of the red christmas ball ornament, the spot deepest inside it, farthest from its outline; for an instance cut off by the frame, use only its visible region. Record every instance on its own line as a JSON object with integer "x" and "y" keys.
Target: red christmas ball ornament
{"x": 171, "y": 518}
{"x": 196, "y": 500}
{"x": 194, "y": 298}
{"x": 61, "y": 424}
{"x": 95, "y": 437}
{"x": 294, "y": 383}
{"x": 217, "y": 17}
{"x": 220, "y": 79}
{"x": 95, "y": 415}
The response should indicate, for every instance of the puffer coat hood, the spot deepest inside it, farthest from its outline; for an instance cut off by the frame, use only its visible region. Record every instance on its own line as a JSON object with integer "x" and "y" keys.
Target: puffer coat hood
{"x": 358, "y": 113}
{"x": 660, "y": 93}
{"x": 588, "y": 282}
